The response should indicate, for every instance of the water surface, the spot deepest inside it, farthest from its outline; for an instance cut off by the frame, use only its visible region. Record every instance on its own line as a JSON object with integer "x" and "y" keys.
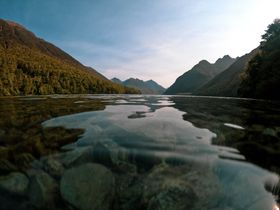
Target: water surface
{"x": 208, "y": 153}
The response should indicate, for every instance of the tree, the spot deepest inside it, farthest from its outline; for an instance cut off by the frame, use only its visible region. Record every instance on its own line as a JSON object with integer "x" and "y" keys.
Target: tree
{"x": 272, "y": 32}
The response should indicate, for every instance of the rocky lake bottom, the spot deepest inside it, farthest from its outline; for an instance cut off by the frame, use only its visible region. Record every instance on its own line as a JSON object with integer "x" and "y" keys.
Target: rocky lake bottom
{"x": 122, "y": 152}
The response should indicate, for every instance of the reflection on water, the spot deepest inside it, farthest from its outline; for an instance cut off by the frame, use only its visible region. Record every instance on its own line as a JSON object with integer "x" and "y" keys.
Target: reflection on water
{"x": 258, "y": 121}
{"x": 156, "y": 152}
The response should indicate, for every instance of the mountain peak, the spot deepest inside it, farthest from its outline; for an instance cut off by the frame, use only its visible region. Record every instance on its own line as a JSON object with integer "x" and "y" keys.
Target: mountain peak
{"x": 146, "y": 87}
{"x": 203, "y": 62}
{"x": 224, "y": 62}
{"x": 224, "y": 59}
{"x": 226, "y": 56}
{"x": 14, "y": 24}
{"x": 11, "y": 27}
{"x": 199, "y": 75}
{"x": 116, "y": 80}
{"x": 150, "y": 81}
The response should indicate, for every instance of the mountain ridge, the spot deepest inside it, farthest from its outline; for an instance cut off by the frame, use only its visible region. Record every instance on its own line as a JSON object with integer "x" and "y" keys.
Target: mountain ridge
{"x": 146, "y": 87}
{"x": 199, "y": 75}
{"x": 227, "y": 82}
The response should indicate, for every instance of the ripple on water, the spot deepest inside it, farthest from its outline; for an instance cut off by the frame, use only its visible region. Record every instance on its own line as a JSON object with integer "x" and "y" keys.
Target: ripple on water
{"x": 165, "y": 137}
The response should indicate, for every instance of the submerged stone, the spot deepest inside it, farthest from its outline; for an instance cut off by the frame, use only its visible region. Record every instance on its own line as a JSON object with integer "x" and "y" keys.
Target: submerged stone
{"x": 76, "y": 157}
{"x": 166, "y": 188}
{"x": 89, "y": 186}
{"x": 15, "y": 183}
{"x": 53, "y": 167}
{"x": 174, "y": 197}
{"x": 42, "y": 190}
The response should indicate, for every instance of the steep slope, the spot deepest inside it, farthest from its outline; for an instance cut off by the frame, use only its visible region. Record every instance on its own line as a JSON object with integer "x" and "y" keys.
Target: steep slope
{"x": 146, "y": 87}
{"x": 262, "y": 76}
{"x": 227, "y": 82}
{"x": 199, "y": 75}
{"x": 30, "y": 65}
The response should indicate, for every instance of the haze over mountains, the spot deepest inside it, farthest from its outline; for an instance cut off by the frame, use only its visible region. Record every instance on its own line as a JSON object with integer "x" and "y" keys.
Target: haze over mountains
{"x": 32, "y": 66}
{"x": 146, "y": 87}
{"x": 199, "y": 75}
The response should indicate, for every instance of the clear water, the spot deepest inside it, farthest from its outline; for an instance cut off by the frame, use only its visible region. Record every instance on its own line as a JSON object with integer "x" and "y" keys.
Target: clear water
{"x": 224, "y": 150}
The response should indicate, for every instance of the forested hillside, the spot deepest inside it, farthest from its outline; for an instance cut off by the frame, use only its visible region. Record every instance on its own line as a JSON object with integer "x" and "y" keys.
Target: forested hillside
{"x": 31, "y": 66}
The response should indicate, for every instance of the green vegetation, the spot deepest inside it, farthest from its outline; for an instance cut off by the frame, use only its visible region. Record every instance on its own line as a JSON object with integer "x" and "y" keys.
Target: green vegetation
{"x": 22, "y": 136}
{"x": 31, "y": 66}
{"x": 262, "y": 77}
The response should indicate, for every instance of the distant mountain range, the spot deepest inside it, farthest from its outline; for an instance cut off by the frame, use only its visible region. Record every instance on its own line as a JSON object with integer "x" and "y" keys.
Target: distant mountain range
{"x": 146, "y": 87}
{"x": 31, "y": 66}
{"x": 199, "y": 75}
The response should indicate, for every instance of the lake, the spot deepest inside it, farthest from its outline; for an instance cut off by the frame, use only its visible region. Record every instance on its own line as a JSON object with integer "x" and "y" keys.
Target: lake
{"x": 139, "y": 152}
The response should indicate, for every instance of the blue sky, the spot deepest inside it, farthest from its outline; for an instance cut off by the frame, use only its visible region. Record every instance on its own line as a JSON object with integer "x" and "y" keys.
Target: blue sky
{"x": 147, "y": 39}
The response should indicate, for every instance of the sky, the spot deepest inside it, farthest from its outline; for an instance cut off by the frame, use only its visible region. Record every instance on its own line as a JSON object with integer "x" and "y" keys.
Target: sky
{"x": 146, "y": 39}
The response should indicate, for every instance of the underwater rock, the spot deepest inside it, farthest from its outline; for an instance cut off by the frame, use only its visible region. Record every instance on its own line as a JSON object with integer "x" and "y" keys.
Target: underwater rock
{"x": 43, "y": 189}
{"x": 76, "y": 157}
{"x": 129, "y": 186}
{"x": 165, "y": 189}
{"x": 129, "y": 195}
{"x": 186, "y": 186}
{"x": 53, "y": 167}
{"x": 102, "y": 155}
{"x": 89, "y": 186}
{"x": 125, "y": 167}
{"x": 15, "y": 183}
{"x": 174, "y": 197}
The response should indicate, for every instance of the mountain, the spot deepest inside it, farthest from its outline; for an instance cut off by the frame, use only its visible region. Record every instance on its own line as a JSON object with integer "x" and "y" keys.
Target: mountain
{"x": 31, "y": 66}
{"x": 151, "y": 84}
{"x": 227, "y": 82}
{"x": 146, "y": 87}
{"x": 116, "y": 80}
{"x": 199, "y": 75}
